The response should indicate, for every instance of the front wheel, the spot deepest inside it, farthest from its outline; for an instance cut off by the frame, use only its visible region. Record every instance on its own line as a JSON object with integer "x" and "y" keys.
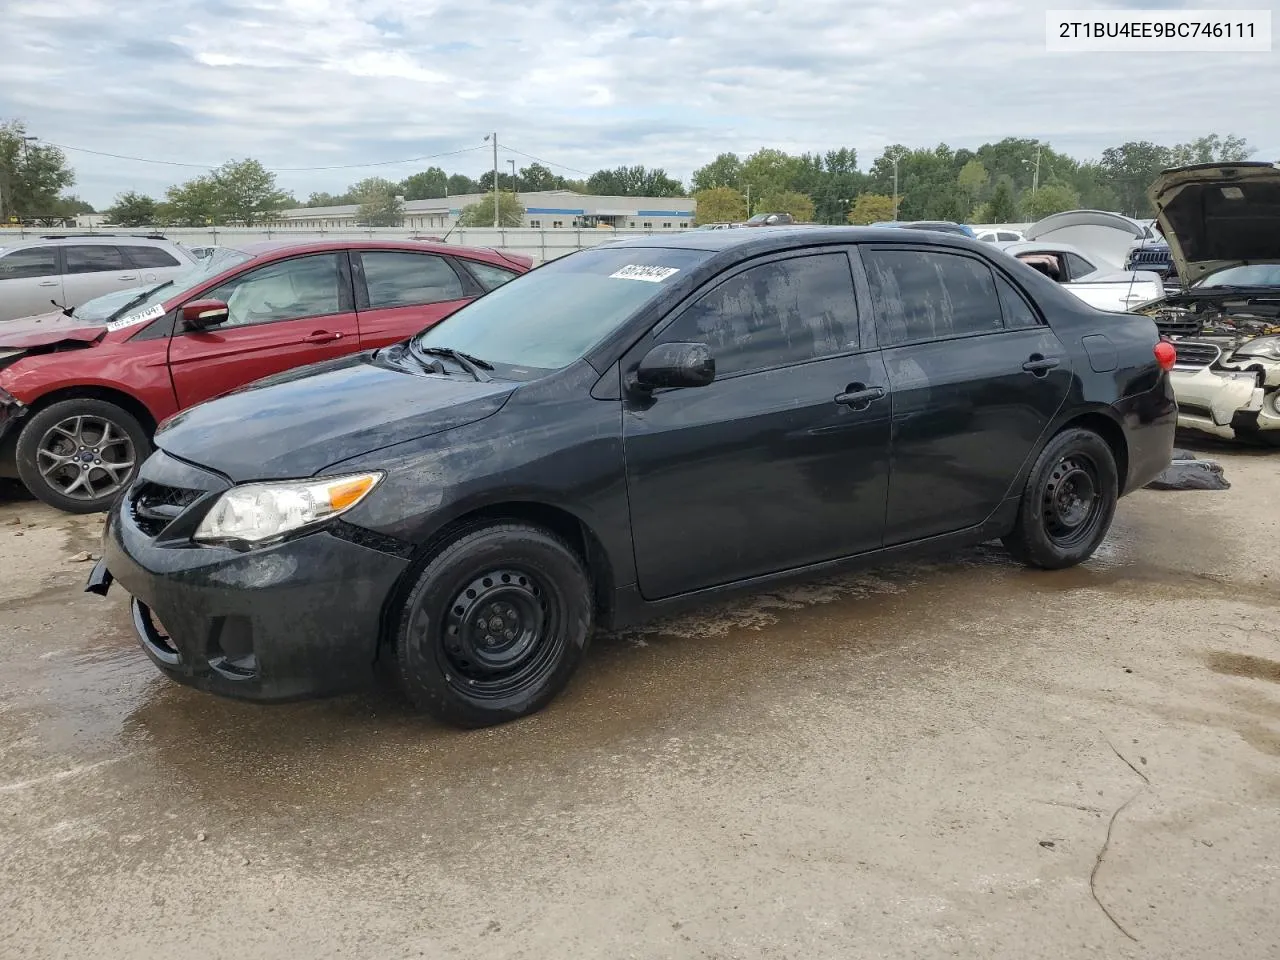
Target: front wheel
{"x": 79, "y": 455}
{"x": 1068, "y": 504}
{"x": 494, "y": 626}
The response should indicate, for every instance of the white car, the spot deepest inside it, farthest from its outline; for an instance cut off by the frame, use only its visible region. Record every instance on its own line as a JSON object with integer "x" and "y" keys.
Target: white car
{"x": 1223, "y": 227}
{"x": 66, "y": 271}
{"x": 1002, "y": 235}
{"x": 1097, "y": 283}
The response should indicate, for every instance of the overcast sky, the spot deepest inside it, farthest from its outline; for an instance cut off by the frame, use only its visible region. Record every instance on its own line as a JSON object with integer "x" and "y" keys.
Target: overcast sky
{"x": 584, "y": 83}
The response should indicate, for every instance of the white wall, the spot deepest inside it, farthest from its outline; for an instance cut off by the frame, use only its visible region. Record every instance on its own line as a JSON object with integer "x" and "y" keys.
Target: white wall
{"x": 539, "y": 244}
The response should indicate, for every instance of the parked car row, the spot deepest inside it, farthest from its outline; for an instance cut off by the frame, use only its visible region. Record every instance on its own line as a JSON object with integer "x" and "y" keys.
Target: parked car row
{"x": 622, "y": 431}
{"x": 82, "y": 389}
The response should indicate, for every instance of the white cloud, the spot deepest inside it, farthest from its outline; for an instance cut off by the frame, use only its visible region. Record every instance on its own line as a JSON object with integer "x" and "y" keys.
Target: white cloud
{"x": 666, "y": 83}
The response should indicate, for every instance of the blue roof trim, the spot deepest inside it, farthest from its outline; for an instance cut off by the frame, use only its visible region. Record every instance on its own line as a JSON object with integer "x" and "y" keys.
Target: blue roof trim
{"x": 553, "y": 210}
{"x": 664, "y": 213}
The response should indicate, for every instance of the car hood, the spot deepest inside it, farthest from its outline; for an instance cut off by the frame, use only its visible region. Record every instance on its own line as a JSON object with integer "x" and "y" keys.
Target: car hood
{"x": 1218, "y": 215}
{"x": 297, "y": 423}
{"x": 48, "y": 329}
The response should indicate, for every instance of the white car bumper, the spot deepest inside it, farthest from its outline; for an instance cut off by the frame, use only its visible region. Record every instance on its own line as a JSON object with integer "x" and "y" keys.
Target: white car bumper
{"x": 1224, "y": 403}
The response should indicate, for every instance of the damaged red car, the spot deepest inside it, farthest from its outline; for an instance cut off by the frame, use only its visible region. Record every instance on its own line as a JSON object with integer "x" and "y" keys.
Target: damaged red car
{"x": 81, "y": 392}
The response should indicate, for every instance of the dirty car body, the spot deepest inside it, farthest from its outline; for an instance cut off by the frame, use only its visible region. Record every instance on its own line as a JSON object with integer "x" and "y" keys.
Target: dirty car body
{"x": 1222, "y": 222}
{"x": 618, "y": 434}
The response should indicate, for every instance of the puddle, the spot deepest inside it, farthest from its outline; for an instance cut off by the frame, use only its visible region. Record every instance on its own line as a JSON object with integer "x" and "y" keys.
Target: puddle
{"x": 1243, "y": 665}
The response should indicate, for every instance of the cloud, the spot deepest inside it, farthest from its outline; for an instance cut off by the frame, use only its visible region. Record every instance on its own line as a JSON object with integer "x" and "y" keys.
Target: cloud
{"x": 668, "y": 83}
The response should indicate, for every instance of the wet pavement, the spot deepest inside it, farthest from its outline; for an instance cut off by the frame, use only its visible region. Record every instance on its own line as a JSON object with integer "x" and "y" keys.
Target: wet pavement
{"x": 921, "y": 760}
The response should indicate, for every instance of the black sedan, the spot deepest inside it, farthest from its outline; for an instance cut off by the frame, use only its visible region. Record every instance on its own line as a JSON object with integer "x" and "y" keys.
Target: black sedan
{"x": 620, "y": 432}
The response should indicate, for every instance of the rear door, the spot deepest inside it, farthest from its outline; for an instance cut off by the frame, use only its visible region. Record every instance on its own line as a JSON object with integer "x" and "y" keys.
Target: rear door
{"x": 976, "y": 377}
{"x": 154, "y": 264}
{"x": 400, "y": 292}
{"x": 30, "y": 277}
{"x": 285, "y": 314}
{"x": 92, "y": 269}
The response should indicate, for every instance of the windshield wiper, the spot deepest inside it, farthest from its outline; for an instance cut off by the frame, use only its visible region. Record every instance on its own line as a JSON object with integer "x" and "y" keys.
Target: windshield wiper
{"x": 138, "y": 299}
{"x": 473, "y": 365}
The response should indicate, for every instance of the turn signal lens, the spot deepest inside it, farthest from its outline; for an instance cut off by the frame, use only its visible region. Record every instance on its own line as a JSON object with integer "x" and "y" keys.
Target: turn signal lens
{"x": 1166, "y": 355}
{"x": 348, "y": 494}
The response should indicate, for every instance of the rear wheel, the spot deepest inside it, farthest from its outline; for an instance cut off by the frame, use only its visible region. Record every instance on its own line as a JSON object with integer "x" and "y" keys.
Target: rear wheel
{"x": 495, "y": 625}
{"x": 1068, "y": 504}
{"x": 79, "y": 455}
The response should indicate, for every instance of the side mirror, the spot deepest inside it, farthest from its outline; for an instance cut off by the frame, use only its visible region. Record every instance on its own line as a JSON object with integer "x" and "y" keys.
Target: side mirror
{"x": 677, "y": 365}
{"x": 203, "y": 314}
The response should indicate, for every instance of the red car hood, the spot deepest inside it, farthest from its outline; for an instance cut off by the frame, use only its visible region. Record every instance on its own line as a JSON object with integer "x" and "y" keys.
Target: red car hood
{"x": 48, "y": 329}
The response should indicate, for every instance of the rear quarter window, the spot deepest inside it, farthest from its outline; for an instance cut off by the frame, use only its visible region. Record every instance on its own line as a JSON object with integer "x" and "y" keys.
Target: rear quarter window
{"x": 150, "y": 257}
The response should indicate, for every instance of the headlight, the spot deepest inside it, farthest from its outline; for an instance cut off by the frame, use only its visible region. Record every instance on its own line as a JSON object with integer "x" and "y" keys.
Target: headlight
{"x": 258, "y": 512}
{"x": 1267, "y": 348}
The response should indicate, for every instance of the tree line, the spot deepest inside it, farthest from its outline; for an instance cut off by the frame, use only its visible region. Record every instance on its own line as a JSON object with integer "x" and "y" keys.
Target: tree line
{"x": 1012, "y": 180}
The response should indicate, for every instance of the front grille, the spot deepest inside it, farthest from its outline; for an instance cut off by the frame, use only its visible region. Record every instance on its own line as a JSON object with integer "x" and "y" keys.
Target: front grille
{"x": 1151, "y": 256}
{"x": 1194, "y": 354}
{"x": 154, "y": 506}
{"x": 1178, "y": 323}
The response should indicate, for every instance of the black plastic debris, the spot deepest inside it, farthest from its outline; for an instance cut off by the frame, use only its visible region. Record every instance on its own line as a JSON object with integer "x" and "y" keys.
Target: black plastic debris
{"x": 1188, "y": 473}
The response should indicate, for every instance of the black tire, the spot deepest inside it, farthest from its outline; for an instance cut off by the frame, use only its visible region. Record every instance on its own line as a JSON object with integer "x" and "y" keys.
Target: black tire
{"x": 53, "y": 464}
{"x": 494, "y": 626}
{"x": 1068, "y": 504}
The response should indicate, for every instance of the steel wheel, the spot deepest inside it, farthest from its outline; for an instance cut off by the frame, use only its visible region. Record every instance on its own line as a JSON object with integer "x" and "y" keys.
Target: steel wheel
{"x": 501, "y": 634}
{"x": 1071, "y": 503}
{"x": 86, "y": 457}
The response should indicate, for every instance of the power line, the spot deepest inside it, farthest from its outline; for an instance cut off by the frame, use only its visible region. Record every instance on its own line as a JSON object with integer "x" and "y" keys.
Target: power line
{"x": 211, "y": 166}
{"x": 549, "y": 163}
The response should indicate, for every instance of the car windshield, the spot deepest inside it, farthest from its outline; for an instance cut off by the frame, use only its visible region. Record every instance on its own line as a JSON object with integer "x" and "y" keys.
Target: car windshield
{"x": 1248, "y": 275}
{"x": 550, "y": 317}
{"x": 103, "y": 308}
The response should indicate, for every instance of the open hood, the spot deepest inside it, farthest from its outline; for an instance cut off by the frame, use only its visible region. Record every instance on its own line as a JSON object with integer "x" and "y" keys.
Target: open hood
{"x": 1218, "y": 215}
{"x": 1105, "y": 235}
{"x": 48, "y": 329}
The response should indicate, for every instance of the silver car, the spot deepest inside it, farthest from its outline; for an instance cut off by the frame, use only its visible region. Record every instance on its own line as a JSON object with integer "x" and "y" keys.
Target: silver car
{"x": 41, "y": 274}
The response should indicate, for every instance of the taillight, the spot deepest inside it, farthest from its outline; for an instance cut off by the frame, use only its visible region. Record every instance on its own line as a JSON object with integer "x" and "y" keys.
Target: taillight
{"x": 1166, "y": 355}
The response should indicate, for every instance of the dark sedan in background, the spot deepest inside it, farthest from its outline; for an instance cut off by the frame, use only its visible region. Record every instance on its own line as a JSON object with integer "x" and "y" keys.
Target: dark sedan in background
{"x": 621, "y": 432}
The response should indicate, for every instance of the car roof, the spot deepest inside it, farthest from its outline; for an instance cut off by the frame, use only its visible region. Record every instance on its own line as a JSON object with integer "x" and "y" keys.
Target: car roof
{"x": 782, "y": 238}
{"x": 90, "y": 239}
{"x": 275, "y": 249}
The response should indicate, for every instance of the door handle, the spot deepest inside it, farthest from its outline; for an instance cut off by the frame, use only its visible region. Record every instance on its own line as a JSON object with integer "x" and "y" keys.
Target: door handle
{"x": 48, "y": 283}
{"x": 321, "y": 336}
{"x": 1039, "y": 365}
{"x": 127, "y": 276}
{"x": 858, "y": 396}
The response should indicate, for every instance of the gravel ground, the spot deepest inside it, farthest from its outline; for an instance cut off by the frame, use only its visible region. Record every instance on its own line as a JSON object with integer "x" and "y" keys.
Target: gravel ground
{"x": 954, "y": 758}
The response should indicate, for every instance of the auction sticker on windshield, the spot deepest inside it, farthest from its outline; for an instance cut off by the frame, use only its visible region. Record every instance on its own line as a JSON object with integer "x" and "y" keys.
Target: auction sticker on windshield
{"x": 635, "y": 271}
{"x": 136, "y": 318}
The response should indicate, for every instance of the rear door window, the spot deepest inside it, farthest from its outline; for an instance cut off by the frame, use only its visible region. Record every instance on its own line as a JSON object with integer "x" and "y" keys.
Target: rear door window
{"x": 150, "y": 257}
{"x": 29, "y": 262}
{"x": 1080, "y": 267}
{"x": 488, "y": 275}
{"x": 96, "y": 258}
{"x": 773, "y": 315}
{"x": 930, "y": 295}
{"x": 396, "y": 279}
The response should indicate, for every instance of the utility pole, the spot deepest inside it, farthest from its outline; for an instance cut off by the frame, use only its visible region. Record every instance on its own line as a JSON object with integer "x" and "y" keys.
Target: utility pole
{"x": 748, "y": 201}
{"x": 1035, "y": 178}
{"x": 494, "y": 137}
{"x": 896, "y": 156}
{"x": 515, "y": 184}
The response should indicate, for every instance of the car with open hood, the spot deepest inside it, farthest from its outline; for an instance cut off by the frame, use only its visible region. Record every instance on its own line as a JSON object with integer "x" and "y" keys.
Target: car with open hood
{"x": 622, "y": 431}
{"x": 1222, "y": 224}
{"x": 82, "y": 390}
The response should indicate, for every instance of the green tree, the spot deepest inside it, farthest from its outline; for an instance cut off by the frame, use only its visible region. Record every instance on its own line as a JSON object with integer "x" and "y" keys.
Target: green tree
{"x": 322, "y": 199}
{"x": 132, "y": 209}
{"x": 537, "y": 177}
{"x": 430, "y": 184}
{"x": 1211, "y": 149}
{"x": 972, "y": 180}
{"x": 1049, "y": 199}
{"x": 719, "y": 205}
{"x": 636, "y": 181}
{"x": 195, "y": 203}
{"x": 510, "y": 212}
{"x": 799, "y": 205}
{"x": 31, "y": 176}
{"x": 460, "y": 183}
{"x": 871, "y": 208}
{"x": 1130, "y": 168}
{"x": 247, "y": 192}
{"x": 724, "y": 171}
{"x": 769, "y": 171}
{"x": 72, "y": 206}
{"x": 379, "y": 202}
{"x": 1002, "y": 207}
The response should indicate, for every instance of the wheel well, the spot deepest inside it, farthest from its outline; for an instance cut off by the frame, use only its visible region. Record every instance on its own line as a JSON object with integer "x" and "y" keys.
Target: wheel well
{"x": 1109, "y": 431}
{"x": 565, "y": 525}
{"x": 121, "y": 399}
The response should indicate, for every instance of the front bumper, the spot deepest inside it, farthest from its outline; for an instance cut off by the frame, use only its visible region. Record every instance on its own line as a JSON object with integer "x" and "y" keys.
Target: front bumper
{"x": 12, "y": 410}
{"x": 298, "y": 619}
{"x": 1224, "y": 404}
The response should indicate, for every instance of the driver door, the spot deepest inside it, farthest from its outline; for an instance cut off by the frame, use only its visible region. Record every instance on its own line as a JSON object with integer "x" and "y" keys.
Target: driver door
{"x": 282, "y": 315}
